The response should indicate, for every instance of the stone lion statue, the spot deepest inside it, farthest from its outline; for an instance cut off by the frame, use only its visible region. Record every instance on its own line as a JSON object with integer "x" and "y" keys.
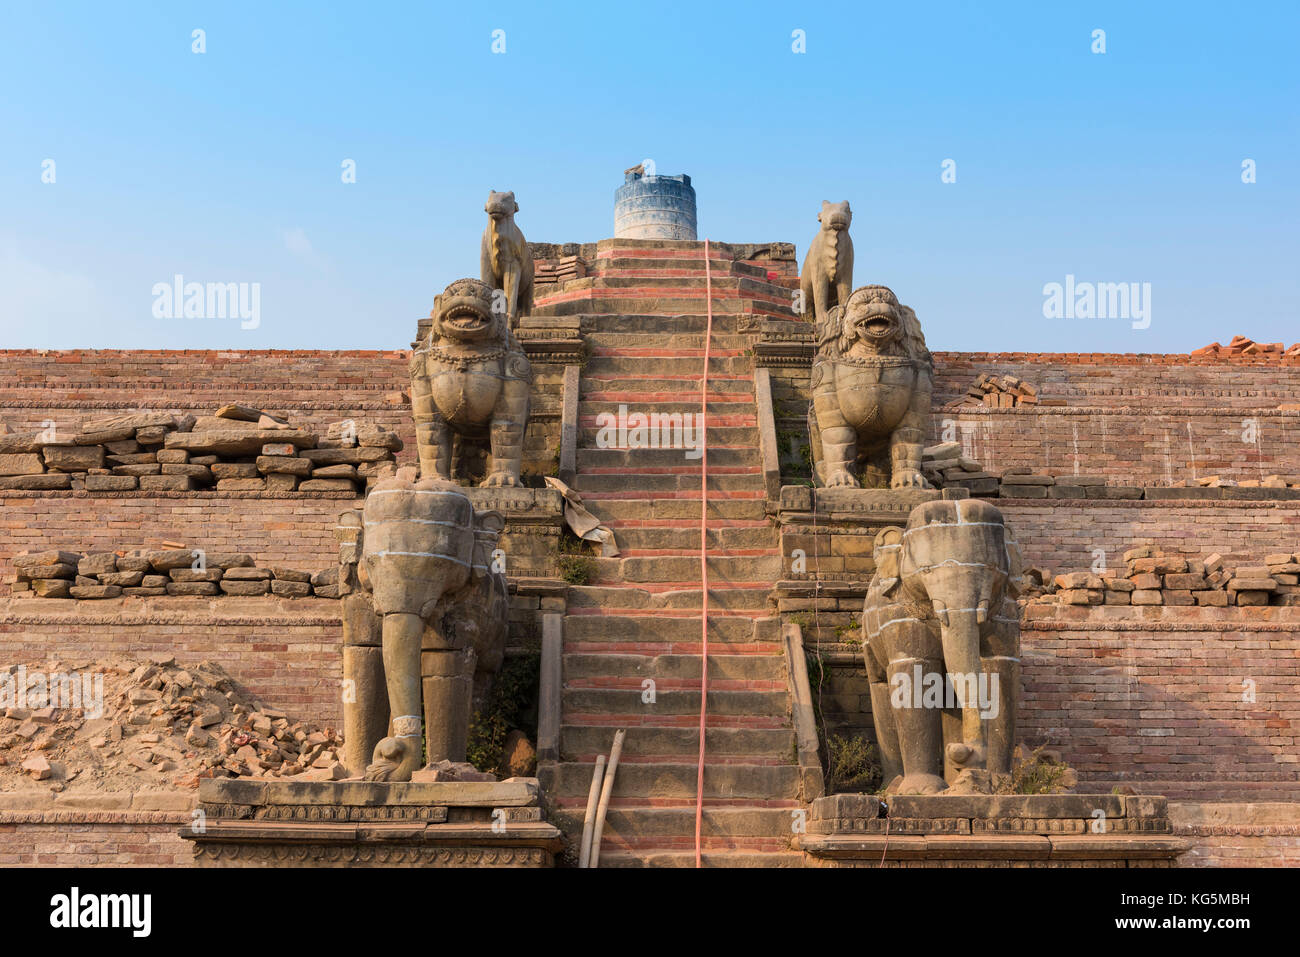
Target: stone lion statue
{"x": 469, "y": 384}
{"x": 872, "y": 379}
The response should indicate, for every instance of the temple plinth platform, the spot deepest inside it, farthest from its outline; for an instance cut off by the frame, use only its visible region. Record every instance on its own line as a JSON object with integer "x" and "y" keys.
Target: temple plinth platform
{"x": 243, "y": 823}
{"x": 981, "y": 830}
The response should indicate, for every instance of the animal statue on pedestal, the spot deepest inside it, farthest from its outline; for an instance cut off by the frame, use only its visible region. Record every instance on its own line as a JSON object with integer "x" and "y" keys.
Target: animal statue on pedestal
{"x": 942, "y": 648}
{"x": 429, "y": 597}
{"x": 827, "y": 274}
{"x": 505, "y": 262}
{"x": 872, "y": 380}
{"x": 470, "y": 382}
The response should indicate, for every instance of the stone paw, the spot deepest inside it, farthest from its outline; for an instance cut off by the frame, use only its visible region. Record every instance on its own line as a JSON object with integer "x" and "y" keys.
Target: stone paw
{"x": 394, "y": 759}
{"x": 922, "y": 784}
{"x": 908, "y": 478}
{"x": 841, "y": 478}
{"x": 501, "y": 480}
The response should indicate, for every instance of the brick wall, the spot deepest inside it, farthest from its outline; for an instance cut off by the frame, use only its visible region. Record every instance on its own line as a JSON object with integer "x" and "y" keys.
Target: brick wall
{"x": 287, "y": 652}
{"x": 1152, "y": 697}
{"x": 1159, "y": 699}
{"x": 120, "y": 829}
{"x": 1060, "y": 536}
{"x": 295, "y": 529}
{"x": 1141, "y": 420}
{"x": 1238, "y": 835}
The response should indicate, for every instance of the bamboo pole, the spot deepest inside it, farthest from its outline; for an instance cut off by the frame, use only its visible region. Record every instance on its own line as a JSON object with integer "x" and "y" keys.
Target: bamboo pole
{"x": 605, "y": 794}
{"x": 589, "y": 820}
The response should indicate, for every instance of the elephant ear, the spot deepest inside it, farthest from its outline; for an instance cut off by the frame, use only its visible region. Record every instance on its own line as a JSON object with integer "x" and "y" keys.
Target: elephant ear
{"x": 1015, "y": 564}
{"x": 888, "y": 548}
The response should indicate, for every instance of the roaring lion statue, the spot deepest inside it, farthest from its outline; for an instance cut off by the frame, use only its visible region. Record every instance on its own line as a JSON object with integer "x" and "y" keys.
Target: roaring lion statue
{"x": 469, "y": 383}
{"x": 872, "y": 379}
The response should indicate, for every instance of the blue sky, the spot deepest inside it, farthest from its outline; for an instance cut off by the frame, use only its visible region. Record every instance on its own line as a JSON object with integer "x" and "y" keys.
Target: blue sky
{"x": 225, "y": 166}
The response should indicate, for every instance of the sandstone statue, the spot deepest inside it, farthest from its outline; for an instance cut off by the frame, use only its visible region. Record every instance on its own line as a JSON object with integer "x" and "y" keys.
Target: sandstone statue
{"x": 942, "y": 648}
{"x": 428, "y": 593}
{"x": 505, "y": 261}
{"x": 872, "y": 379}
{"x": 827, "y": 273}
{"x": 470, "y": 385}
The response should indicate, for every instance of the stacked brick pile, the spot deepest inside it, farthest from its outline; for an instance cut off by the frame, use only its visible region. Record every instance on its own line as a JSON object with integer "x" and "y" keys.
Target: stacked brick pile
{"x": 237, "y": 449}
{"x": 1243, "y": 346}
{"x": 944, "y": 466}
{"x": 1269, "y": 481}
{"x": 549, "y": 271}
{"x": 173, "y": 571}
{"x": 998, "y": 392}
{"x": 161, "y": 725}
{"x": 1153, "y": 576}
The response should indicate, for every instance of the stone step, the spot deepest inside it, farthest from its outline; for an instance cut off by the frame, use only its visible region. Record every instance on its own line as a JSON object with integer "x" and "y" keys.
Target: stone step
{"x": 631, "y": 362}
{"x": 586, "y": 667}
{"x": 582, "y": 741}
{"x": 744, "y": 601}
{"x": 656, "y": 282}
{"x": 631, "y": 823}
{"x": 644, "y": 782}
{"x": 692, "y": 265}
{"x": 635, "y": 539}
{"x": 668, "y": 482}
{"x": 680, "y": 385}
{"x": 601, "y": 301}
{"x": 748, "y": 568}
{"x": 619, "y": 333}
{"x": 720, "y": 859}
{"x": 651, "y": 510}
{"x": 607, "y": 628}
{"x": 627, "y": 703}
{"x": 631, "y": 460}
{"x": 729, "y": 434}
{"x": 729, "y": 402}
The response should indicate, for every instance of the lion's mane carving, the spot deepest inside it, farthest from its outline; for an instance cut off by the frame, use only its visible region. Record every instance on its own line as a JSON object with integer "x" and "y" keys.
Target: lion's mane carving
{"x": 469, "y": 384}
{"x": 872, "y": 380}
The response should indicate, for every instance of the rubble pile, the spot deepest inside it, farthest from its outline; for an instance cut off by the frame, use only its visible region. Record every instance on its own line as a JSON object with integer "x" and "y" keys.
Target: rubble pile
{"x": 550, "y": 271}
{"x": 172, "y": 571}
{"x": 1153, "y": 576}
{"x": 998, "y": 392}
{"x": 1243, "y": 346}
{"x": 944, "y": 466}
{"x": 237, "y": 449}
{"x": 1268, "y": 481}
{"x": 141, "y": 724}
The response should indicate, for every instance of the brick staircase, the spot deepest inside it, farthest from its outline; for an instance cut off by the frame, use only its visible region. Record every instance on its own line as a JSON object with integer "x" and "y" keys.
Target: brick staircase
{"x": 643, "y": 316}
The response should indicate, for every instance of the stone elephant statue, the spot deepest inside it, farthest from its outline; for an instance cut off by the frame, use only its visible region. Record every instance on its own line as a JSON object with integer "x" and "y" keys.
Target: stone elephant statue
{"x": 425, "y": 627}
{"x": 942, "y": 647}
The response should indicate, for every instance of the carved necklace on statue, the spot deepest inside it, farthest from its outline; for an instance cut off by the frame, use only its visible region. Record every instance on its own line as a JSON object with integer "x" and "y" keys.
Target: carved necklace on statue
{"x": 463, "y": 360}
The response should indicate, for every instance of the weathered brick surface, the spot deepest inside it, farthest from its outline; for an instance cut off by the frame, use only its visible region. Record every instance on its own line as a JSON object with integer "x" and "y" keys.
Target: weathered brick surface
{"x": 1139, "y": 420}
{"x": 1188, "y": 702}
{"x": 288, "y": 529}
{"x": 121, "y": 840}
{"x": 288, "y": 653}
{"x": 1061, "y": 536}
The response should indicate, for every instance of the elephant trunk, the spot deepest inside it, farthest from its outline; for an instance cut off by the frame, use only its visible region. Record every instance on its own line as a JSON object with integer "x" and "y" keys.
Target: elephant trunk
{"x": 960, "y": 636}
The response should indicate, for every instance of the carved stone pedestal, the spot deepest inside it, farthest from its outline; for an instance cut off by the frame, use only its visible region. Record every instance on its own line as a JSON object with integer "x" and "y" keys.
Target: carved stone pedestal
{"x": 372, "y": 824}
{"x": 983, "y": 830}
{"x": 833, "y": 528}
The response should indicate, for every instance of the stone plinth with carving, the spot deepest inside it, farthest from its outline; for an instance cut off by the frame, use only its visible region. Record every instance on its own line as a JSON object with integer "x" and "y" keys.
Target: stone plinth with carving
{"x": 982, "y": 830}
{"x": 371, "y": 824}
